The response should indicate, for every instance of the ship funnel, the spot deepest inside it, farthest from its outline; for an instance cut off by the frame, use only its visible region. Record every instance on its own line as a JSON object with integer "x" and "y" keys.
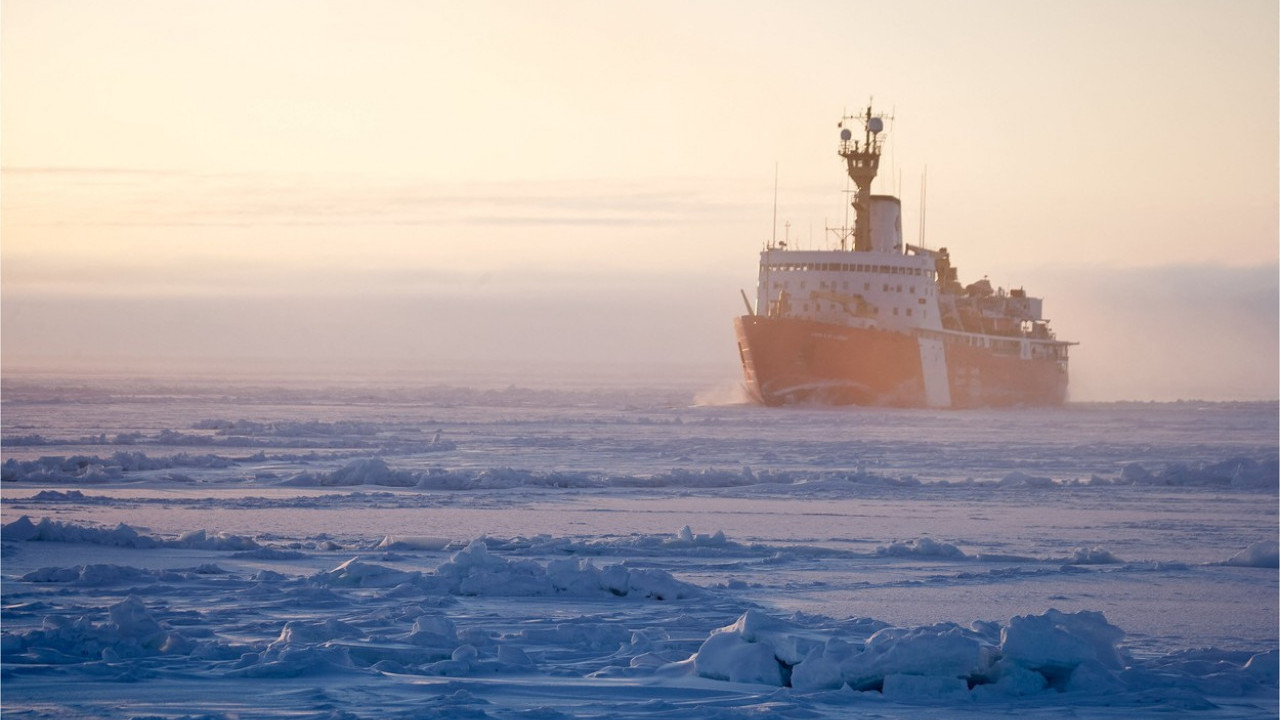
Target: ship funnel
{"x": 886, "y": 224}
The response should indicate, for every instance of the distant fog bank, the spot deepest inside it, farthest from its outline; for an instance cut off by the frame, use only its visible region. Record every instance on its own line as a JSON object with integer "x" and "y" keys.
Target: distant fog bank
{"x": 1169, "y": 333}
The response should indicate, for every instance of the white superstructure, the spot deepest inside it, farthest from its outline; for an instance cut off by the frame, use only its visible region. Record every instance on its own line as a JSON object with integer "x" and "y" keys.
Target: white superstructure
{"x": 890, "y": 290}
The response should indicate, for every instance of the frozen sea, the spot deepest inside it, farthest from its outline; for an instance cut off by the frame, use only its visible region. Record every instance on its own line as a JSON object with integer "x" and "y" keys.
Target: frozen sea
{"x": 235, "y": 549}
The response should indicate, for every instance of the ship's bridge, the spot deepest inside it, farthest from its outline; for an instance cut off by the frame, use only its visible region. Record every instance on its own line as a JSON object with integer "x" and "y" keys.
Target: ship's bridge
{"x": 855, "y": 288}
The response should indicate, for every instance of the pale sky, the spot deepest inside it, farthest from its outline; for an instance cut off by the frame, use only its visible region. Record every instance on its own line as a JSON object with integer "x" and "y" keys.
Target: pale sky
{"x": 416, "y": 183}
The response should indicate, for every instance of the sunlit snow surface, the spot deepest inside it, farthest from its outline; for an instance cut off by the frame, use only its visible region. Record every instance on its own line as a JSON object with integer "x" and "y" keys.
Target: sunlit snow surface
{"x": 232, "y": 551}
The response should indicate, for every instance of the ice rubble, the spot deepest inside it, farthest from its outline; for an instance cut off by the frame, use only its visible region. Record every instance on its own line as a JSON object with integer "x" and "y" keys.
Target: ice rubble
{"x": 365, "y": 617}
{"x": 1059, "y": 651}
{"x": 475, "y": 571}
{"x": 94, "y": 467}
{"x": 368, "y": 471}
{"x": 250, "y": 434}
{"x": 129, "y": 632}
{"x": 1243, "y": 473}
{"x": 103, "y": 574}
{"x": 122, "y": 535}
{"x": 921, "y": 547}
{"x": 927, "y": 547}
{"x": 1053, "y": 652}
{"x": 321, "y": 646}
{"x": 1261, "y": 554}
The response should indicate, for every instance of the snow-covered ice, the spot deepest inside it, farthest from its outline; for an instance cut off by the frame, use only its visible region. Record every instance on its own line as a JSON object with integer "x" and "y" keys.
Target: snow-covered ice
{"x": 218, "y": 551}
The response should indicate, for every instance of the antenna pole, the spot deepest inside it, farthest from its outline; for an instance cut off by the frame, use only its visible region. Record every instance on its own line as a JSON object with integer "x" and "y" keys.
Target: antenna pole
{"x": 924, "y": 198}
{"x": 844, "y": 230}
{"x": 773, "y": 243}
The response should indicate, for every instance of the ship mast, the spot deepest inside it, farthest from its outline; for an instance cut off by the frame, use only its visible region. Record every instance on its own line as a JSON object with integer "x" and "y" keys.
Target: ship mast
{"x": 863, "y": 159}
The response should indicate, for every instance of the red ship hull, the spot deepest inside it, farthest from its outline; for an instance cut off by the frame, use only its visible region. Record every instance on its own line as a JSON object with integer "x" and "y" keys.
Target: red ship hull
{"x": 786, "y": 360}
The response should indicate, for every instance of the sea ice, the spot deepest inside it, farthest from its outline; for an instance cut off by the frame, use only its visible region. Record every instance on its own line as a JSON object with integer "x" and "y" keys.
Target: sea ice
{"x": 859, "y": 562}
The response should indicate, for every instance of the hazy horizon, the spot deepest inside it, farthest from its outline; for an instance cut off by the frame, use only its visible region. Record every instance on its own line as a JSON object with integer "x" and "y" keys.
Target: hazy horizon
{"x": 679, "y": 336}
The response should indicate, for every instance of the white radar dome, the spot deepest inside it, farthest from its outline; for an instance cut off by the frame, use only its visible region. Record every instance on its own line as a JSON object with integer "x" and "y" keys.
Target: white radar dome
{"x": 875, "y": 124}
{"x": 845, "y": 134}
